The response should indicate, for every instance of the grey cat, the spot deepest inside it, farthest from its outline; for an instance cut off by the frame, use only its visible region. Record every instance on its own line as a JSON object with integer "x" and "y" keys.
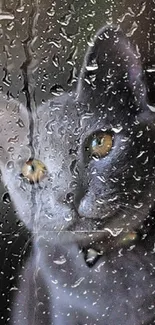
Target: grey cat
{"x": 80, "y": 171}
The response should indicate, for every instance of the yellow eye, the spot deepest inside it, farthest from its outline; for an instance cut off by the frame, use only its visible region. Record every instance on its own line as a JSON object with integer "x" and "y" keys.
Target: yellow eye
{"x": 101, "y": 144}
{"x": 33, "y": 170}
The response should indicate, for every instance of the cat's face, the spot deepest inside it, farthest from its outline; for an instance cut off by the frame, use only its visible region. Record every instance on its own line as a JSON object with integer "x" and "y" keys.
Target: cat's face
{"x": 97, "y": 146}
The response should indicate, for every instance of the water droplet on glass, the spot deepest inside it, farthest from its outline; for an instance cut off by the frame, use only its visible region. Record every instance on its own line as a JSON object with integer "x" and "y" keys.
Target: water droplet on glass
{"x": 49, "y": 127}
{"x": 98, "y": 269}
{"x": 128, "y": 13}
{"x": 71, "y": 57}
{"x": 68, "y": 217}
{"x": 56, "y": 90}
{"x": 20, "y": 8}
{"x": 117, "y": 129}
{"x": 78, "y": 282}
{"x": 20, "y": 123}
{"x": 114, "y": 232}
{"x": 139, "y": 134}
{"x": 5, "y": 15}
{"x": 55, "y": 60}
{"x": 132, "y": 29}
{"x": 6, "y": 198}
{"x": 64, "y": 21}
{"x": 91, "y": 13}
{"x": 14, "y": 139}
{"x": 60, "y": 261}
{"x": 152, "y": 108}
{"x": 1, "y": 112}
{"x": 6, "y": 79}
{"x": 69, "y": 197}
{"x": 51, "y": 11}
{"x": 93, "y": 66}
{"x": 49, "y": 216}
{"x": 54, "y": 41}
{"x": 10, "y": 149}
{"x": 140, "y": 154}
{"x": 67, "y": 37}
{"x": 141, "y": 9}
{"x": 10, "y": 165}
{"x": 10, "y": 25}
{"x": 137, "y": 178}
{"x": 43, "y": 88}
{"x": 72, "y": 77}
{"x": 90, "y": 27}
{"x": 138, "y": 205}
{"x": 73, "y": 165}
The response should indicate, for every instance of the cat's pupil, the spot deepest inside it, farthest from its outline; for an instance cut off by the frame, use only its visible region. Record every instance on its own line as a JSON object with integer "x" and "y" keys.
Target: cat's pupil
{"x": 100, "y": 144}
{"x": 33, "y": 170}
{"x": 97, "y": 142}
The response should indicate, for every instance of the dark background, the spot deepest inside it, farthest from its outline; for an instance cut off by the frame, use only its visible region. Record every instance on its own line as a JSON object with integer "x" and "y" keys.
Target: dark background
{"x": 42, "y": 44}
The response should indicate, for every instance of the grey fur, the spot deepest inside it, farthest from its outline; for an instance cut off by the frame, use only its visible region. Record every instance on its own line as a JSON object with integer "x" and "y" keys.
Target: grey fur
{"x": 112, "y": 197}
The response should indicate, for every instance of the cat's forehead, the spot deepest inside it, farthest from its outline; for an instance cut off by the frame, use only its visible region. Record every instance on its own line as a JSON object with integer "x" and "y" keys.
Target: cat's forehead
{"x": 67, "y": 116}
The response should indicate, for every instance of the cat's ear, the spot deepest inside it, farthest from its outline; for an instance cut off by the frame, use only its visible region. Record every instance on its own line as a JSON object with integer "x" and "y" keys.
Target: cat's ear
{"x": 110, "y": 67}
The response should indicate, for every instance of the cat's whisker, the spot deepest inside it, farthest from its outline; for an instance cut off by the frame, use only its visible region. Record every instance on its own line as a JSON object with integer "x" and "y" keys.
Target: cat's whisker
{"x": 128, "y": 206}
{"x": 62, "y": 228}
{"x": 128, "y": 211}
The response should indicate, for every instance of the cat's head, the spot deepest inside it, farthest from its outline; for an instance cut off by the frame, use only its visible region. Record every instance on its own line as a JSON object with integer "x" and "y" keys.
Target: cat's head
{"x": 97, "y": 146}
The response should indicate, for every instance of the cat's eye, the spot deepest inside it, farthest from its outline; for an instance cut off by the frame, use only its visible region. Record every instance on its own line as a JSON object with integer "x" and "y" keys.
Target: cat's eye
{"x": 33, "y": 170}
{"x": 100, "y": 144}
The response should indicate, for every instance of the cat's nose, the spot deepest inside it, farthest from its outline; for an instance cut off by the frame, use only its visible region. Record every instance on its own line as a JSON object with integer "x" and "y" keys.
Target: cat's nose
{"x": 86, "y": 206}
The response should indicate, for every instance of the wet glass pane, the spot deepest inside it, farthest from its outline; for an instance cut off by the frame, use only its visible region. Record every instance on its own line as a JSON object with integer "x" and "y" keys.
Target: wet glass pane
{"x": 77, "y": 144}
